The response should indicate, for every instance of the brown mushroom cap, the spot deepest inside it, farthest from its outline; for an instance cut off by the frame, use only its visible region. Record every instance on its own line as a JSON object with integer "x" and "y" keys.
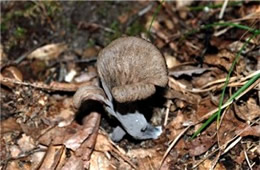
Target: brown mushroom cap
{"x": 131, "y": 67}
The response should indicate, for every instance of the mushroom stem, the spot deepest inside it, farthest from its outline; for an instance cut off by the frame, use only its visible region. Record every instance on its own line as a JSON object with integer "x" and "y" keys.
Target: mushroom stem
{"x": 134, "y": 124}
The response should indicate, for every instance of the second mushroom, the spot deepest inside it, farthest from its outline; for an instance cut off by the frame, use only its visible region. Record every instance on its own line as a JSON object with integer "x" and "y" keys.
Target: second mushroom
{"x": 129, "y": 69}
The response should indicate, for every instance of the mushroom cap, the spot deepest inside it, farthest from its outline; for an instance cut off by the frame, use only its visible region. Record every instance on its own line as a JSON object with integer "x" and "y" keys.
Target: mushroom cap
{"x": 131, "y": 67}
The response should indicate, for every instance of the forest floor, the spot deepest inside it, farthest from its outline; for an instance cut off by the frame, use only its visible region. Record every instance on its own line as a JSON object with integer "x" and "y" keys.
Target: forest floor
{"x": 49, "y": 49}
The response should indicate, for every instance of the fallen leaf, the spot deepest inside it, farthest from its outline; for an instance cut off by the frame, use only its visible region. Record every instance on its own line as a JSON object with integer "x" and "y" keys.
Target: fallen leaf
{"x": 70, "y": 76}
{"x": 14, "y": 150}
{"x": 200, "y": 145}
{"x": 144, "y": 157}
{"x": 48, "y": 52}
{"x": 52, "y": 157}
{"x": 249, "y": 131}
{"x": 90, "y": 52}
{"x": 224, "y": 58}
{"x": 9, "y": 125}
{"x": 171, "y": 61}
{"x": 57, "y": 135}
{"x": 86, "y": 148}
{"x": 189, "y": 72}
{"x": 100, "y": 161}
{"x": 248, "y": 111}
{"x": 12, "y": 72}
{"x": 74, "y": 163}
{"x": 75, "y": 141}
{"x": 26, "y": 143}
{"x": 230, "y": 124}
{"x": 207, "y": 164}
{"x": 37, "y": 158}
{"x": 18, "y": 165}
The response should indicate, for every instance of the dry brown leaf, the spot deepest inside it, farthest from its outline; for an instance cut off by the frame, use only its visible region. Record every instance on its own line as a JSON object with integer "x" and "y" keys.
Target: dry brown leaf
{"x": 70, "y": 76}
{"x": 60, "y": 113}
{"x": 103, "y": 143}
{"x": 176, "y": 125}
{"x": 36, "y": 158}
{"x": 100, "y": 161}
{"x": 14, "y": 150}
{"x": 180, "y": 3}
{"x": 90, "y": 52}
{"x": 84, "y": 77}
{"x": 123, "y": 18}
{"x": 12, "y": 72}
{"x": 249, "y": 110}
{"x": 101, "y": 157}
{"x": 18, "y": 165}
{"x": 9, "y": 125}
{"x": 169, "y": 24}
{"x": 171, "y": 61}
{"x": 241, "y": 158}
{"x": 205, "y": 106}
{"x": 200, "y": 145}
{"x": 146, "y": 158}
{"x": 73, "y": 163}
{"x": 188, "y": 72}
{"x": 90, "y": 124}
{"x": 249, "y": 131}
{"x": 180, "y": 91}
{"x": 57, "y": 135}
{"x": 48, "y": 52}
{"x": 86, "y": 148}
{"x": 52, "y": 157}
{"x": 228, "y": 127}
{"x": 26, "y": 143}
{"x": 66, "y": 117}
{"x": 207, "y": 164}
{"x": 224, "y": 58}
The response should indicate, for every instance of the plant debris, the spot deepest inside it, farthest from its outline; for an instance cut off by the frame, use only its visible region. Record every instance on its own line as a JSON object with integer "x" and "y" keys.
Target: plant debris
{"x": 49, "y": 50}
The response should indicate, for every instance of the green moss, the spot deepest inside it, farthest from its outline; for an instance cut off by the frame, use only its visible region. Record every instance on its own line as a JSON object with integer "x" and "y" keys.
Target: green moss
{"x": 115, "y": 26}
{"x": 3, "y": 27}
{"x": 91, "y": 43}
{"x": 135, "y": 29}
{"x": 19, "y": 32}
{"x": 103, "y": 10}
{"x": 52, "y": 8}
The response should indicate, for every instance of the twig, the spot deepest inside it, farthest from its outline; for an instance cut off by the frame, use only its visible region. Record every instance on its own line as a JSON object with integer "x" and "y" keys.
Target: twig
{"x": 232, "y": 144}
{"x": 235, "y": 140}
{"x": 215, "y": 161}
{"x": 213, "y": 114}
{"x": 224, "y": 6}
{"x": 139, "y": 14}
{"x": 172, "y": 145}
{"x": 248, "y": 162}
{"x": 54, "y": 86}
{"x": 169, "y": 103}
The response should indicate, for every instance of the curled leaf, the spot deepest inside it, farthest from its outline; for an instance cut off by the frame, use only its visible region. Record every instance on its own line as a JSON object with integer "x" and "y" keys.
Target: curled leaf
{"x": 48, "y": 52}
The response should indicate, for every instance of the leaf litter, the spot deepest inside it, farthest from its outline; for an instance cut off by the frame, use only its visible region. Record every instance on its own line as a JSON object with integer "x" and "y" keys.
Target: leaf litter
{"x": 41, "y": 129}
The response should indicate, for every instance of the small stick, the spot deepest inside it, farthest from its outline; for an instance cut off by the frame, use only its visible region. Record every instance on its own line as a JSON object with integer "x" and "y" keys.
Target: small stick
{"x": 224, "y": 6}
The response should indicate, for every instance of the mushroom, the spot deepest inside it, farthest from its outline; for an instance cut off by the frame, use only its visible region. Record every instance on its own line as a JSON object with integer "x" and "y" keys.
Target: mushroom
{"x": 129, "y": 69}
